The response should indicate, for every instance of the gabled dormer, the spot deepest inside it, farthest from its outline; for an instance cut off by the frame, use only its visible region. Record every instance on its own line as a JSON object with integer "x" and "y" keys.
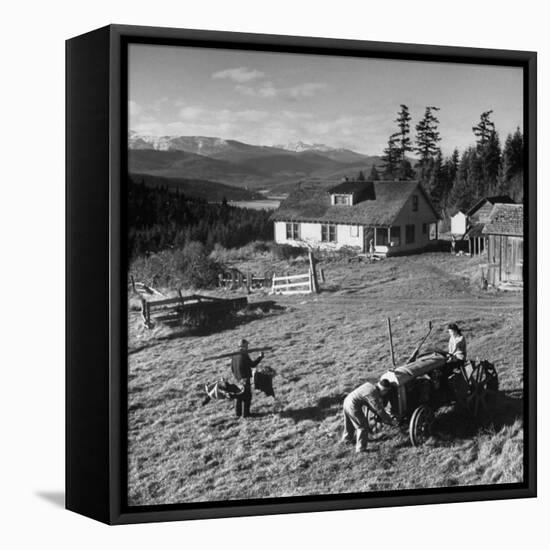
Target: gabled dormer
{"x": 351, "y": 192}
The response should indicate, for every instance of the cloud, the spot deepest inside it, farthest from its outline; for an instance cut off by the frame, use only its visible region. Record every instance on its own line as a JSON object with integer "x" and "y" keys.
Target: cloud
{"x": 134, "y": 109}
{"x": 359, "y": 132}
{"x": 269, "y": 90}
{"x": 239, "y": 74}
{"x": 194, "y": 113}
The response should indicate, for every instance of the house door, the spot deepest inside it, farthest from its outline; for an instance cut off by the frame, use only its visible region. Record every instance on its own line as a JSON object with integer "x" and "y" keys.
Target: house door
{"x": 368, "y": 235}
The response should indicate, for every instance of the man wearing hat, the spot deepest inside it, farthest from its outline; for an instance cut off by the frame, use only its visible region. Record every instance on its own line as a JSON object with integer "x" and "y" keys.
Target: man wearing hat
{"x": 355, "y": 422}
{"x": 241, "y": 367}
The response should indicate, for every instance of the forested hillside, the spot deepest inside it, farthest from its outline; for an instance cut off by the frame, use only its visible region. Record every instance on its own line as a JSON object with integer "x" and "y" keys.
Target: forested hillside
{"x": 458, "y": 181}
{"x": 160, "y": 218}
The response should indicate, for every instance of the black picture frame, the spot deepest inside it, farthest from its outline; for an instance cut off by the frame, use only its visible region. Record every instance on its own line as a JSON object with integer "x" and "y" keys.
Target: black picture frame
{"x": 96, "y": 333}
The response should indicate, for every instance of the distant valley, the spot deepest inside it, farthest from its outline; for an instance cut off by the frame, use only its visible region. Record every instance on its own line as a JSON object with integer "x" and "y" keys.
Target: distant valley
{"x": 209, "y": 167}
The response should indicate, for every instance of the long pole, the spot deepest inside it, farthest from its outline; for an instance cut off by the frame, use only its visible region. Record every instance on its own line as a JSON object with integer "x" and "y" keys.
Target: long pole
{"x": 391, "y": 342}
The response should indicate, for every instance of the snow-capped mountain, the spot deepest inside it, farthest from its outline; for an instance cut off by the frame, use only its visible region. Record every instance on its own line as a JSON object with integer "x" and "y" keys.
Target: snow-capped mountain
{"x": 200, "y": 145}
{"x": 301, "y": 146}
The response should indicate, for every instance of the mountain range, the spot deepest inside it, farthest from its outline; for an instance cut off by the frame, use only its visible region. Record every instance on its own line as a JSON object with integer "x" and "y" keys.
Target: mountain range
{"x": 273, "y": 169}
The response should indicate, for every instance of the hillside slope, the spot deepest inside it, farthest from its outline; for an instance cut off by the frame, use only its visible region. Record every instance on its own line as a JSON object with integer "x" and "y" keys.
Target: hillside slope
{"x": 324, "y": 346}
{"x": 211, "y": 191}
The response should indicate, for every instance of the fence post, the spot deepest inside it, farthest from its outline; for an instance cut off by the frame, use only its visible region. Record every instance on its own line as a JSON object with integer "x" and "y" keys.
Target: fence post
{"x": 248, "y": 282}
{"x": 313, "y": 272}
{"x": 133, "y": 283}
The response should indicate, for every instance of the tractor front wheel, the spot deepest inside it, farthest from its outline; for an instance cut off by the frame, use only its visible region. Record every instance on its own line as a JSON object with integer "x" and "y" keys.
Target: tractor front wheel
{"x": 373, "y": 421}
{"x": 420, "y": 425}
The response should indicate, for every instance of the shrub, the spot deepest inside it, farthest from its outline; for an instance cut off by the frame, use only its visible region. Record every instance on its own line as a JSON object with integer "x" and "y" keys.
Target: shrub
{"x": 196, "y": 268}
{"x": 286, "y": 251}
{"x": 189, "y": 266}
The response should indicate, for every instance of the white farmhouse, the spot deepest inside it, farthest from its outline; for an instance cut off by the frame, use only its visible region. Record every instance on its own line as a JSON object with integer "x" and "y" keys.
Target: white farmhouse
{"x": 393, "y": 216}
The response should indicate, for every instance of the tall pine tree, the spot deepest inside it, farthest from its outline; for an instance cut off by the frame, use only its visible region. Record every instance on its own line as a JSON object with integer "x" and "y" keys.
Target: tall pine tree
{"x": 427, "y": 140}
{"x": 390, "y": 158}
{"x": 404, "y": 124}
{"x": 511, "y": 177}
{"x": 488, "y": 153}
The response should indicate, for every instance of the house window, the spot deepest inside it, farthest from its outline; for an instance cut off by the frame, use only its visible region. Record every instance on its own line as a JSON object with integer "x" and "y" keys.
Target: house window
{"x": 342, "y": 199}
{"x": 354, "y": 231}
{"x": 293, "y": 231}
{"x": 328, "y": 233}
{"x": 424, "y": 228}
{"x": 395, "y": 235}
{"x": 415, "y": 203}
{"x": 381, "y": 236}
{"x": 409, "y": 234}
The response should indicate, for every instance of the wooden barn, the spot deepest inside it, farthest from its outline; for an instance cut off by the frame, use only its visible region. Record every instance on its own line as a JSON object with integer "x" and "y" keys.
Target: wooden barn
{"x": 392, "y": 216}
{"x": 504, "y": 232}
{"x": 477, "y": 217}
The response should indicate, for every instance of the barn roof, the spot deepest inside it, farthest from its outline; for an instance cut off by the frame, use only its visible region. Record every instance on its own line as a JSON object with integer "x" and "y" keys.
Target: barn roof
{"x": 380, "y": 204}
{"x": 505, "y": 219}
{"x": 500, "y": 199}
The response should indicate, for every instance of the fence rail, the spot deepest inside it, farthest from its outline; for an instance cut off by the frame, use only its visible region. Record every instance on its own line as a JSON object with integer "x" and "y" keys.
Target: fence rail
{"x": 233, "y": 279}
{"x": 293, "y": 284}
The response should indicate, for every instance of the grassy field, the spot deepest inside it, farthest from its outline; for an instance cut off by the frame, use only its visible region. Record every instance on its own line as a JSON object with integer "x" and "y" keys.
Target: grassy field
{"x": 324, "y": 346}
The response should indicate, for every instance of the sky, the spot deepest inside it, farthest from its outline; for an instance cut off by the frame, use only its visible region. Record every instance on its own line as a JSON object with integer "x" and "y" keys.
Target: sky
{"x": 265, "y": 98}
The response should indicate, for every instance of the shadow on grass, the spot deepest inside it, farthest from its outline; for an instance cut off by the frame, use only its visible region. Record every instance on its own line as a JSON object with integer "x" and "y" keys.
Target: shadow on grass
{"x": 504, "y": 409}
{"x": 326, "y": 406}
{"x": 254, "y": 311}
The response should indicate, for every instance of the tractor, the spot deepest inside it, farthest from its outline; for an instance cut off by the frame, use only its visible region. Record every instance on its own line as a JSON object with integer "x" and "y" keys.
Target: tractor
{"x": 423, "y": 385}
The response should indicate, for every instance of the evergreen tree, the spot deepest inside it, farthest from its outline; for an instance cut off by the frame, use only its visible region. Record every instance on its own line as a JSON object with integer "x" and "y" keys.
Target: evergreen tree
{"x": 484, "y": 128}
{"x": 374, "y": 175}
{"x": 488, "y": 152}
{"x": 404, "y": 124}
{"x": 467, "y": 188}
{"x": 405, "y": 171}
{"x": 427, "y": 139}
{"x": 391, "y": 157}
{"x": 360, "y": 176}
{"x": 436, "y": 185}
{"x": 449, "y": 171}
{"x": 511, "y": 175}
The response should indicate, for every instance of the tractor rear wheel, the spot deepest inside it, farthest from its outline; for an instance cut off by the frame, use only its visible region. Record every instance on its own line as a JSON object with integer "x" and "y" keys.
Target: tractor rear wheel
{"x": 420, "y": 425}
{"x": 483, "y": 384}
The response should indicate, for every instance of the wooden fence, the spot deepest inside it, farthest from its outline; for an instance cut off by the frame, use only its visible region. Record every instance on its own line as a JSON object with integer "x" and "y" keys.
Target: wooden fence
{"x": 142, "y": 289}
{"x": 293, "y": 284}
{"x": 172, "y": 311}
{"x": 233, "y": 279}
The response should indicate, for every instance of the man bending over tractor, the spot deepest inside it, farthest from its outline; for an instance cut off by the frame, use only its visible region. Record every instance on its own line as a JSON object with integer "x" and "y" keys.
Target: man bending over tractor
{"x": 355, "y": 422}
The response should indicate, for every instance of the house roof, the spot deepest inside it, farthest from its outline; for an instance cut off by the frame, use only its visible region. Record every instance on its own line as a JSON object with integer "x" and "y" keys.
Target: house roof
{"x": 505, "y": 219}
{"x": 348, "y": 186}
{"x": 500, "y": 199}
{"x": 311, "y": 202}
